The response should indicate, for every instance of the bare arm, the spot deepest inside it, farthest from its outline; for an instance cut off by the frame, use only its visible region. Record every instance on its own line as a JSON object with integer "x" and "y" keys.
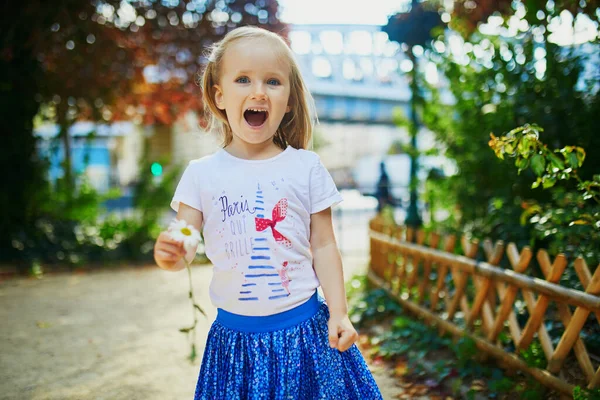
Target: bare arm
{"x": 328, "y": 267}
{"x": 168, "y": 253}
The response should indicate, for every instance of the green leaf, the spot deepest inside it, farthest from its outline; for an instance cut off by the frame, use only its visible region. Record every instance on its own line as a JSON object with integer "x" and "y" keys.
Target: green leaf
{"x": 531, "y": 210}
{"x": 548, "y": 182}
{"x": 401, "y": 322}
{"x": 399, "y": 118}
{"x": 522, "y": 163}
{"x": 536, "y": 183}
{"x": 517, "y": 130}
{"x": 431, "y": 152}
{"x": 498, "y": 203}
{"x": 555, "y": 161}
{"x": 573, "y": 160}
{"x": 509, "y": 148}
{"x": 580, "y": 155}
{"x": 538, "y": 164}
{"x": 523, "y": 145}
{"x": 193, "y": 354}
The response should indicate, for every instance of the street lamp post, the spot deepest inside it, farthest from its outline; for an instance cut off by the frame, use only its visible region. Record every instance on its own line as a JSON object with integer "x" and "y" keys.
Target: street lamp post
{"x": 412, "y": 215}
{"x": 413, "y": 29}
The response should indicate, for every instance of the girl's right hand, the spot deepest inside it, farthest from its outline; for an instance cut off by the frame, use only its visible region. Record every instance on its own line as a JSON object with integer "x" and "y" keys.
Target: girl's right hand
{"x": 168, "y": 252}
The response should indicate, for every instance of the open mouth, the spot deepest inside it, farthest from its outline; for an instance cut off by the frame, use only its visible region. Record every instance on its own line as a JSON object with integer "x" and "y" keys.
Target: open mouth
{"x": 255, "y": 117}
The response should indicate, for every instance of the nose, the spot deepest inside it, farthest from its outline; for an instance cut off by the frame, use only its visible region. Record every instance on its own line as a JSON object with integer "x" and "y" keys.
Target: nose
{"x": 258, "y": 93}
{"x": 258, "y": 96}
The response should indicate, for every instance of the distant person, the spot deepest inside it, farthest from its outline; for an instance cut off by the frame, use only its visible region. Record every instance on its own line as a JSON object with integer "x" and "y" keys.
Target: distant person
{"x": 382, "y": 192}
{"x": 264, "y": 204}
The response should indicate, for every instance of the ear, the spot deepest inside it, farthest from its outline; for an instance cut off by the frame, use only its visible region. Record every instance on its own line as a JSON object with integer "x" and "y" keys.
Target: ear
{"x": 288, "y": 109}
{"x": 219, "y": 97}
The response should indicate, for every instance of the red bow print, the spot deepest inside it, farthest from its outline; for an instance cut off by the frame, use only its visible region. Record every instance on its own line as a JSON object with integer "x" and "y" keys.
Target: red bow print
{"x": 279, "y": 213}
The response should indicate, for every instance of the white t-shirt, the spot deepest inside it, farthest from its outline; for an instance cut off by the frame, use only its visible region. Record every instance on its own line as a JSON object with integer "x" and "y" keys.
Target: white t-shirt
{"x": 257, "y": 226}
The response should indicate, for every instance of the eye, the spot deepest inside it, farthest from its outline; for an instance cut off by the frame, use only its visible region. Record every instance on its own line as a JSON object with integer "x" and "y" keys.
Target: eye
{"x": 242, "y": 79}
{"x": 274, "y": 82}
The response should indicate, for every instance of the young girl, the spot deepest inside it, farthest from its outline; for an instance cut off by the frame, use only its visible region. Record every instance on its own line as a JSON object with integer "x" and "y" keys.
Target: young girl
{"x": 264, "y": 205}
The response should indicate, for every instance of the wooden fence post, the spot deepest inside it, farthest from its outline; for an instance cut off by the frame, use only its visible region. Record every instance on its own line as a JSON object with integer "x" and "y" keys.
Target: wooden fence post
{"x": 398, "y": 264}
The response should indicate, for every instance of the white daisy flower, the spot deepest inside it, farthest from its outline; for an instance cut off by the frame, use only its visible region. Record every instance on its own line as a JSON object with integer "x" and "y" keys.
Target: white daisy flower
{"x": 184, "y": 233}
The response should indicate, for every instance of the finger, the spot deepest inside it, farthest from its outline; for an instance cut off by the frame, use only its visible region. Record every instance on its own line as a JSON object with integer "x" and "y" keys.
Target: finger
{"x": 171, "y": 248}
{"x": 333, "y": 335}
{"x": 166, "y": 237}
{"x": 347, "y": 338}
{"x": 166, "y": 256}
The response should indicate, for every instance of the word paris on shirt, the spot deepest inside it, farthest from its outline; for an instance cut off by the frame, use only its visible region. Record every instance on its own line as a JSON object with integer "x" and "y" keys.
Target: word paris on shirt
{"x": 234, "y": 208}
{"x": 242, "y": 245}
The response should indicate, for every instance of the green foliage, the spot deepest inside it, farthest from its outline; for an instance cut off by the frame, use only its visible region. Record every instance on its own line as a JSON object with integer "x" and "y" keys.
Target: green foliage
{"x": 500, "y": 383}
{"x": 408, "y": 335}
{"x": 533, "y": 391}
{"x": 68, "y": 242}
{"x": 75, "y": 230}
{"x": 534, "y": 355}
{"x": 549, "y": 166}
{"x": 152, "y": 195}
{"x": 366, "y": 305}
{"x": 466, "y": 351}
{"x": 496, "y": 85}
{"x": 570, "y": 222}
{"x": 580, "y": 393}
{"x": 409, "y": 338}
{"x": 82, "y": 204}
{"x": 501, "y": 223}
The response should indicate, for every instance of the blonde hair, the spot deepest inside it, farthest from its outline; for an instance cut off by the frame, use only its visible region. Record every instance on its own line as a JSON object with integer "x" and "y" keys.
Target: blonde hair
{"x": 297, "y": 125}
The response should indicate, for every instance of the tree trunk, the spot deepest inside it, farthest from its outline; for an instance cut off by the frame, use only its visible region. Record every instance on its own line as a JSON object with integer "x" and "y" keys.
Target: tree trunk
{"x": 64, "y": 126}
{"x": 22, "y": 180}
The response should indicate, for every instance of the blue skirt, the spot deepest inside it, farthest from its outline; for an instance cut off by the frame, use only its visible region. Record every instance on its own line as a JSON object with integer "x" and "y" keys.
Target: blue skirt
{"x": 282, "y": 356}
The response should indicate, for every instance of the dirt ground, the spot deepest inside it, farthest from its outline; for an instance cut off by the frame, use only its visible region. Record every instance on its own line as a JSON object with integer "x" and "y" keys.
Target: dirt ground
{"x": 107, "y": 334}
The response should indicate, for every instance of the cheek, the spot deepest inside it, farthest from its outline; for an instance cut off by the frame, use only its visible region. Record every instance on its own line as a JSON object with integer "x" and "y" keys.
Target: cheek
{"x": 282, "y": 96}
{"x": 234, "y": 94}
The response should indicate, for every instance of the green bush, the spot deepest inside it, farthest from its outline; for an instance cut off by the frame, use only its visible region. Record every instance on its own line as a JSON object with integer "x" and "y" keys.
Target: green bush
{"x": 570, "y": 222}
{"x": 74, "y": 228}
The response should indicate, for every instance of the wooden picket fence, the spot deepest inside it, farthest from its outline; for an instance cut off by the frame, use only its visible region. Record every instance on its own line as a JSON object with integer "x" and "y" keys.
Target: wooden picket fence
{"x": 463, "y": 296}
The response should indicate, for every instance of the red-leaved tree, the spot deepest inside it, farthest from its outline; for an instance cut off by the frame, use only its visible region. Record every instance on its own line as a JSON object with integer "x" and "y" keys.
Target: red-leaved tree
{"x": 70, "y": 60}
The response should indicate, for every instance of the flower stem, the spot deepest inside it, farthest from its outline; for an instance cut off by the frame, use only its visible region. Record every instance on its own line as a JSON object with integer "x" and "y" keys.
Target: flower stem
{"x": 195, "y": 307}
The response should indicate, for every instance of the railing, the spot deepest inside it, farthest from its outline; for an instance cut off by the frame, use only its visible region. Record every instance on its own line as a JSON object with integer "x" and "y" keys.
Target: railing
{"x": 463, "y": 296}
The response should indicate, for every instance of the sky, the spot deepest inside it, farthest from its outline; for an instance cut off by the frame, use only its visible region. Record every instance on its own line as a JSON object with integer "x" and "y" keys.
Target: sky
{"x": 338, "y": 11}
{"x": 377, "y": 12}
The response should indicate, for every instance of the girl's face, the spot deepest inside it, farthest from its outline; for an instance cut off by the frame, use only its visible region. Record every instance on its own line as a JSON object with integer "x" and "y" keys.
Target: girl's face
{"x": 254, "y": 90}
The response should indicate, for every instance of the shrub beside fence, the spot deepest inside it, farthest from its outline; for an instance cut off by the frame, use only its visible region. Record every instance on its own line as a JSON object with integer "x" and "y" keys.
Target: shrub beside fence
{"x": 464, "y": 296}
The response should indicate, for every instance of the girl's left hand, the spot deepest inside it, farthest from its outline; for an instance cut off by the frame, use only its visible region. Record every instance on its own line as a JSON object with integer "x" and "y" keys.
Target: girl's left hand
{"x": 341, "y": 332}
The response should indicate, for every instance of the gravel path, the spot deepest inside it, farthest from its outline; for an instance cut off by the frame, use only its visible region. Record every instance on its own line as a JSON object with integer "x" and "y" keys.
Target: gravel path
{"x": 107, "y": 334}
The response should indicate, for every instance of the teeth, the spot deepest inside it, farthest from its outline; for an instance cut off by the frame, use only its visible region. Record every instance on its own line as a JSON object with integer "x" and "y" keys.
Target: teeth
{"x": 256, "y": 110}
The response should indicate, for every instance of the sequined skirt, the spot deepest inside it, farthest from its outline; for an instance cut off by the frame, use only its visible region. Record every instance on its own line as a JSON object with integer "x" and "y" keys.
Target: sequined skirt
{"x": 283, "y": 356}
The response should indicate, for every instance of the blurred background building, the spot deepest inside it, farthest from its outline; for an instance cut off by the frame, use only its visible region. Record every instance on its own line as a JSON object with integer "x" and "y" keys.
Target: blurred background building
{"x": 356, "y": 77}
{"x": 487, "y": 67}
